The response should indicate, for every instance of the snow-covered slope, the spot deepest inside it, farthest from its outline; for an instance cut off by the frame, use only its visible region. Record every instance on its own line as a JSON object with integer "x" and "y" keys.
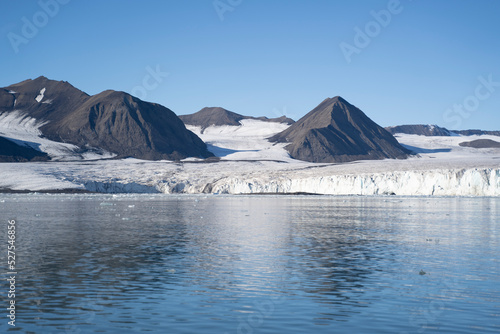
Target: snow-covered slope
{"x": 22, "y": 129}
{"x": 245, "y": 142}
{"x": 446, "y": 147}
{"x": 250, "y": 164}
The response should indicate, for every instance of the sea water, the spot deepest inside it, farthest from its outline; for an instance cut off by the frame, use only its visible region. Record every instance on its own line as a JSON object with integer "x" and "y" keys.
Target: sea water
{"x": 250, "y": 264}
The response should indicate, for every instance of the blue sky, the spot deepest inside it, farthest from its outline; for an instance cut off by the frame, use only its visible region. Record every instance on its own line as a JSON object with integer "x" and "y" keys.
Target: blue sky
{"x": 422, "y": 61}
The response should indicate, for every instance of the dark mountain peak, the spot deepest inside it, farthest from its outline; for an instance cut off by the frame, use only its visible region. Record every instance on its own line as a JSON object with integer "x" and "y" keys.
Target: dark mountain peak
{"x": 113, "y": 95}
{"x": 419, "y": 129}
{"x": 434, "y": 130}
{"x": 220, "y": 113}
{"x": 333, "y": 112}
{"x": 212, "y": 116}
{"x": 217, "y": 116}
{"x": 475, "y": 132}
{"x": 337, "y": 131}
{"x": 481, "y": 143}
{"x": 339, "y": 106}
{"x": 42, "y": 79}
{"x": 46, "y": 87}
{"x": 42, "y": 97}
{"x": 120, "y": 123}
{"x": 40, "y": 83}
{"x": 331, "y": 101}
{"x": 215, "y": 110}
{"x": 336, "y": 99}
{"x": 281, "y": 119}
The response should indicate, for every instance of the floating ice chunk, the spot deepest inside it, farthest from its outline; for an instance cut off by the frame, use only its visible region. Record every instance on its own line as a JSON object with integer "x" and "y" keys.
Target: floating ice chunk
{"x": 39, "y": 98}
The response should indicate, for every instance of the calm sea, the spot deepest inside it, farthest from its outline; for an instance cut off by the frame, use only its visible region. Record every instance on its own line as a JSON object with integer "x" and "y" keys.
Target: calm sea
{"x": 251, "y": 264}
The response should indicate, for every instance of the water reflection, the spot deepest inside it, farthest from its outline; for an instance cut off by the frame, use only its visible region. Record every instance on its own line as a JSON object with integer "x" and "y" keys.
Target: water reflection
{"x": 233, "y": 264}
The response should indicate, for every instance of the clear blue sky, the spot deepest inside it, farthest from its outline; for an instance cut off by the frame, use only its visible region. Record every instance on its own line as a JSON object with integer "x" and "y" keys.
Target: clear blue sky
{"x": 269, "y": 57}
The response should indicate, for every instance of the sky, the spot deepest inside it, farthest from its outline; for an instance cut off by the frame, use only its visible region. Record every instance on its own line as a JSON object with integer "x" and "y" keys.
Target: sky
{"x": 400, "y": 61}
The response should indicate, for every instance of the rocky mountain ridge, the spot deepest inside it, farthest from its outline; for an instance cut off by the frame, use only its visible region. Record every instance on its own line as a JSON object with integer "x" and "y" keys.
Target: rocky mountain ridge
{"x": 114, "y": 121}
{"x": 337, "y": 131}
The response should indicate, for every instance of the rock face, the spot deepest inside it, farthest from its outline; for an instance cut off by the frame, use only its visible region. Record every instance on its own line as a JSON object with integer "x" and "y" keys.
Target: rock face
{"x": 481, "y": 143}
{"x": 217, "y": 116}
{"x": 111, "y": 120}
{"x": 419, "y": 129}
{"x": 12, "y": 152}
{"x": 336, "y": 131}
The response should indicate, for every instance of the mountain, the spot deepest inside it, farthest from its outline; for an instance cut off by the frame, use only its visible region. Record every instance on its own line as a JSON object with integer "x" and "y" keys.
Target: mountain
{"x": 434, "y": 130}
{"x": 216, "y": 116}
{"x": 419, "y": 129}
{"x": 337, "y": 131}
{"x": 111, "y": 120}
{"x": 476, "y": 132}
{"x": 13, "y": 152}
{"x": 481, "y": 143}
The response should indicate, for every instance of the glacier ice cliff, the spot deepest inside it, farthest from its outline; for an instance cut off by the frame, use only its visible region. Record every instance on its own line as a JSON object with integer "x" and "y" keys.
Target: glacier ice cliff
{"x": 453, "y": 182}
{"x": 135, "y": 176}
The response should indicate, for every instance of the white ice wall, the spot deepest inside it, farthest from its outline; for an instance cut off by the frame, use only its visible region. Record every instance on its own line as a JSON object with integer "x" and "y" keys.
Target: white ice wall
{"x": 456, "y": 182}
{"x": 167, "y": 178}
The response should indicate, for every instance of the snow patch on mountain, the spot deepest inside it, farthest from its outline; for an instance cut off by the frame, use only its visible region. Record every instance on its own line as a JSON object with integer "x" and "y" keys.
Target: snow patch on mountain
{"x": 18, "y": 124}
{"x": 40, "y": 96}
{"x": 25, "y": 130}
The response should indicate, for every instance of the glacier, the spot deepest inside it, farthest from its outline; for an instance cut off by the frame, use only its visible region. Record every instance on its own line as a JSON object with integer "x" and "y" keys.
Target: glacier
{"x": 249, "y": 164}
{"x": 246, "y": 178}
{"x": 459, "y": 182}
